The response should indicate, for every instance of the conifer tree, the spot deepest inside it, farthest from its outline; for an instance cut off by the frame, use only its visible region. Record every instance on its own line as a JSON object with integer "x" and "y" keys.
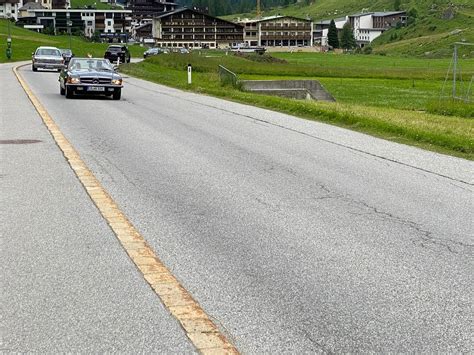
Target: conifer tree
{"x": 347, "y": 37}
{"x": 333, "y": 39}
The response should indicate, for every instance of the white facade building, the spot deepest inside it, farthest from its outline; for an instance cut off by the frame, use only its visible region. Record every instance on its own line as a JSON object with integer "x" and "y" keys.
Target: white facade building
{"x": 367, "y": 26}
{"x": 322, "y": 28}
{"x": 107, "y": 22}
{"x": 9, "y": 9}
{"x": 278, "y": 31}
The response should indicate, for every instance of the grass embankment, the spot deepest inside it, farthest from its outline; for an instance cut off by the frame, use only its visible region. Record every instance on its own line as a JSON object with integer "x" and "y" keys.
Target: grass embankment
{"x": 24, "y": 42}
{"x": 450, "y": 135}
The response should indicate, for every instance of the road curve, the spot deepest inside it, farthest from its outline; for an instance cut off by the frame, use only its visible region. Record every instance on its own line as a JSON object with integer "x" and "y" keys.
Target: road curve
{"x": 294, "y": 236}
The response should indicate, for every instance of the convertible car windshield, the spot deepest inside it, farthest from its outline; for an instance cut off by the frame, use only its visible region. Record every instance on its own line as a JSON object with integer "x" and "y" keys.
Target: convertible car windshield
{"x": 90, "y": 64}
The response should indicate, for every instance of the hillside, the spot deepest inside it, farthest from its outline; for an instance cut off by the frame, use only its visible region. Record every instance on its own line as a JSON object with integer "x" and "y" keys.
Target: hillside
{"x": 80, "y": 4}
{"x": 432, "y": 33}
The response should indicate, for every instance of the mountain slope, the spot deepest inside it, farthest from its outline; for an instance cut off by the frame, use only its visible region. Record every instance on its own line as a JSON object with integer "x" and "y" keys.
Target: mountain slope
{"x": 438, "y": 25}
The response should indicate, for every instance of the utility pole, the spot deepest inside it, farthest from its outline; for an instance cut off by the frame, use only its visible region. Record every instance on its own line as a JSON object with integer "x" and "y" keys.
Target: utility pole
{"x": 259, "y": 10}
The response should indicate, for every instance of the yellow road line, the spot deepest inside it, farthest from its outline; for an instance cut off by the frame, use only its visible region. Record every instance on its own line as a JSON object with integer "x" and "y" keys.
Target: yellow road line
{"x": 197, "y": 325}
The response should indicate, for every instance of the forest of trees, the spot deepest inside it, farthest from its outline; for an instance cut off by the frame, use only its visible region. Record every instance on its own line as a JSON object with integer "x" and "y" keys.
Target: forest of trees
{"x": 226, "y": 7}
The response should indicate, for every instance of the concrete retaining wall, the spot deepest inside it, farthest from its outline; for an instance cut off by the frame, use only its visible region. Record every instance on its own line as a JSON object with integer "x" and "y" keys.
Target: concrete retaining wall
{"x": 298, "y": 89}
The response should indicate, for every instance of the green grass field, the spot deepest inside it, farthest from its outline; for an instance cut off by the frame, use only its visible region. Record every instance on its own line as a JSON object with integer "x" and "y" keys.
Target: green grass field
{"x": 24, "y": 42}
{"x": 390, "y": 109}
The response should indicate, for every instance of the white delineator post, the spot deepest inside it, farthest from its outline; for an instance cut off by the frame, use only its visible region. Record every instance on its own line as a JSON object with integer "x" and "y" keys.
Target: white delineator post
{"x": 190, "y": 71}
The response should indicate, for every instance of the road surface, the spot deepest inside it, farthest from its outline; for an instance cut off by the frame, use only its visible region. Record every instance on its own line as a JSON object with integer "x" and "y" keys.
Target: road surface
{"x": 294, "y": 236}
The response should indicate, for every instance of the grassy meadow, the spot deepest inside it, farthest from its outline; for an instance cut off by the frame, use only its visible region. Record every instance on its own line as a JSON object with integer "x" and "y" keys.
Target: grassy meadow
{"x": 389, "y": 102}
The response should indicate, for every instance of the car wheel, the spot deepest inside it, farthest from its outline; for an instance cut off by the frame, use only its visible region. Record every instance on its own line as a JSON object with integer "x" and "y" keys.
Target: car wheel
{"x": 68, "y": 93}
{"x": 117, "y": 94}
{"x": 61, "y": 90}
{"x": 34, "y": 69}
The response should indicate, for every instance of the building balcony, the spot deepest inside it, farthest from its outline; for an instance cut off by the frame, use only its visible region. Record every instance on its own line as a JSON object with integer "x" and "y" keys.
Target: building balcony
{"x": 283, "y": 38}
{"x": 287, "y": 28}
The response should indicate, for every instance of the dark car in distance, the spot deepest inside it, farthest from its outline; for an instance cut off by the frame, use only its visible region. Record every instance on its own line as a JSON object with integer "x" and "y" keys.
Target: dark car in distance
{"x": 90, "y": 76}
{"x": 67, "y": 55}
{"x": 151, "y": 52}
{"x": 117, "y": 52}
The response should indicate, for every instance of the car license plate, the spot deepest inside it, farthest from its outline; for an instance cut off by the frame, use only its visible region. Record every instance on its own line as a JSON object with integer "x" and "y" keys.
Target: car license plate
{"x": 95, "y": 88}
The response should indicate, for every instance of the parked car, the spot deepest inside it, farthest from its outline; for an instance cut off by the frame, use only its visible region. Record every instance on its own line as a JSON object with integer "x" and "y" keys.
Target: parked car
{"x": 115, "y": 52}
{"x": 181, "y": 50}
{"x": 152, "y": 51}
{"x": 67, "y": 55}
{"x": 47, "y": 58}
{"x": 90, "y": 76}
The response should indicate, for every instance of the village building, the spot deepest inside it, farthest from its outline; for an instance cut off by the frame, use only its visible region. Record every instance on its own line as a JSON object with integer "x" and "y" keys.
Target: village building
{"x": 147, "y": 9}
{"x": 369, "y": 26}
{"x": 110, "y": 23}
{"x": 10, "y": 8}
{"x": 193, "y": 29}
{"x": 321, "y": 29}
{"x": 366, "y": 26}
{"x": 277, "y": 31}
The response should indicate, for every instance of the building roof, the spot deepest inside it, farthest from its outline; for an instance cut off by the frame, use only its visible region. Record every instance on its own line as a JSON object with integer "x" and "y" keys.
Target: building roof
{"x": 327, "y": 22}
{"x": 183, "y": 9}
{"x": 271, "y": 18}
{"x": 390, "y": 13}
{"x": 361, "y": 14}
{"x": 372, "y": 29}
{"x": 143, "y": 26}
{"x": 80, "y": 10}
{"x": 31, "y": 6}
{"x": 378, "y": 13}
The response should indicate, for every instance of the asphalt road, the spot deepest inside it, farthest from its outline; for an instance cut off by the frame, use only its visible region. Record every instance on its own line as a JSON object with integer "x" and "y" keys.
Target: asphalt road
{"x": 294, "y": 236}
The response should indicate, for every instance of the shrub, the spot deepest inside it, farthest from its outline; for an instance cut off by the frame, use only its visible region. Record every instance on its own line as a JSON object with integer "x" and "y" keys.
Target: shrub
{"x": 48, "y": 30}
{"x": 367, "y": 50}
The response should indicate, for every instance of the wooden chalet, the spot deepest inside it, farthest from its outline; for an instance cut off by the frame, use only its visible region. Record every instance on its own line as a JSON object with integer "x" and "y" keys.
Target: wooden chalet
{"x": 193, "y": 29}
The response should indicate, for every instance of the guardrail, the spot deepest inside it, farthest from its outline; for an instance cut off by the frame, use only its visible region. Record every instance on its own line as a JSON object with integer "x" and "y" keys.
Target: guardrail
{"x": 227, "y": 77}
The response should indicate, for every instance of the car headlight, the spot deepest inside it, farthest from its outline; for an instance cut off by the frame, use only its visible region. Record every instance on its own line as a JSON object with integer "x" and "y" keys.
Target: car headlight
{"x": 117, "y": 81}
{"x": 72, "y": 80}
